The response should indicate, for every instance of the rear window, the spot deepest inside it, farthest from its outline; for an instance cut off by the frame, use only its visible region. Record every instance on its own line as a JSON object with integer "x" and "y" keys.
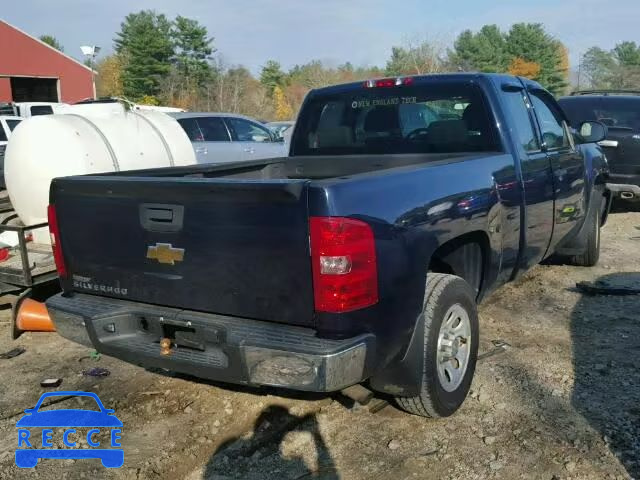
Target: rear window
{"x": 41, "y": 110}
{"x": 617, "y": 112}
{"x": 404, "y": 119}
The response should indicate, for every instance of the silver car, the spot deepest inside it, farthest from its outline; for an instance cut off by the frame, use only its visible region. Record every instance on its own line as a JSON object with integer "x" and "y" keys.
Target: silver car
{"x": 227, "y": 137}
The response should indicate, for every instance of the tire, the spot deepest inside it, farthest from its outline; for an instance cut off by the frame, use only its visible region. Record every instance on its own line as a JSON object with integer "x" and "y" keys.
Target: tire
{"x": 591, "y": 253}
{"x": 439, "y": 397}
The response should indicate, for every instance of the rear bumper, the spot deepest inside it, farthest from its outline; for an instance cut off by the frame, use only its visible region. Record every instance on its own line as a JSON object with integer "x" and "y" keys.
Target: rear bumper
{"x": 215, "y": 347}
{"x": 620, "y": 183}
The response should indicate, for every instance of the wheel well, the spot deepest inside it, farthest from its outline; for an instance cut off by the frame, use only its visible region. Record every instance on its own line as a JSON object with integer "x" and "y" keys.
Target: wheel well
{"x": 465, "y": 256}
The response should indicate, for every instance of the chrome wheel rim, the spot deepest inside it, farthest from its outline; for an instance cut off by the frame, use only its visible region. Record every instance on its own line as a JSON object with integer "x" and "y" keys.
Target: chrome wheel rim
{"x": 454, "y": 347}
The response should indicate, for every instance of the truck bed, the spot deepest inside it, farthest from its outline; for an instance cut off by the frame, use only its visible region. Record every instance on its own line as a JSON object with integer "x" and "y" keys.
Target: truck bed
{"x": 241, "y": 232}
{"x": 305, "y": 167}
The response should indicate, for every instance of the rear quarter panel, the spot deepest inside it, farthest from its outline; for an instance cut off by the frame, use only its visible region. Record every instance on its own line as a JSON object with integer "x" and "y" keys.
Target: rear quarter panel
{"x": 414, "y": 210}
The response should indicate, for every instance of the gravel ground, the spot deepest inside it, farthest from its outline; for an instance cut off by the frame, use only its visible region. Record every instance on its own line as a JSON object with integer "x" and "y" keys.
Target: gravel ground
{"x": 561, "y": 401}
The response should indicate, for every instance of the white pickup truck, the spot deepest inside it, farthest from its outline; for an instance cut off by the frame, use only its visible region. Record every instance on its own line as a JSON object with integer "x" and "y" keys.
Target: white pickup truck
{"x": 31, "y": 109}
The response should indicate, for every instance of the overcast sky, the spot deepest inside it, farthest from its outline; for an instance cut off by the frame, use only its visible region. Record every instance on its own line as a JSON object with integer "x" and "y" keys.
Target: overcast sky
{"x": 296, "y": 31}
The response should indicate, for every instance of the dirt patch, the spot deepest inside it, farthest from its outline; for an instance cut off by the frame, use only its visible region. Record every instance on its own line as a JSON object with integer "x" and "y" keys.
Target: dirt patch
{"x": 560, "y": 402}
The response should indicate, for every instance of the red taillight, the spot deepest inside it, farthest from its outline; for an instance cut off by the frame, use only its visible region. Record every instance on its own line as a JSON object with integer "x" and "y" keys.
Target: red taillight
{"x": 388, "y": 82}
{"x": 54, "y": 231}
{"x": 343, "y": 255}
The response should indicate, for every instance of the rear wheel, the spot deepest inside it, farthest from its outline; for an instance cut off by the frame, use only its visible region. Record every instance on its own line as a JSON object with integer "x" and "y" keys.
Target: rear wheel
{"x": 450, "y": 352}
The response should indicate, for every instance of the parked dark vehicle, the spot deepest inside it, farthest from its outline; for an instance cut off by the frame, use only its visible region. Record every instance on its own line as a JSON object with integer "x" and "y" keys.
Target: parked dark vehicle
{"x": 620, "y": 112}
{"x": 359, "y": 258}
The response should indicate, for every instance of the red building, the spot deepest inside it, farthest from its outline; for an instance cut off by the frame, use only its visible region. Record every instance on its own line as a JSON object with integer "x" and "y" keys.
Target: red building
{"x": 32, "y": 71}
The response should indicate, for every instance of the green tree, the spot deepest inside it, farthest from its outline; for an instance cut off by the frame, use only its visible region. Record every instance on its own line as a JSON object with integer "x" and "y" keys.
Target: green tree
{"x": 272, "y": 75}
{"x": 598, "y": 66}
{"x": 530, "y": 42}
{"x": 145, "y": 41}
{"x": 399, "y": 63}
{"x": 415, "y": 58}
{"x": 627, "y": 54}
{"x": 52, "y": 41}
{"x": 313, "y": 75}
{"x": 192, "y": 49}
{"x": 484, "y": 51}
{"x": 615, "y": 69}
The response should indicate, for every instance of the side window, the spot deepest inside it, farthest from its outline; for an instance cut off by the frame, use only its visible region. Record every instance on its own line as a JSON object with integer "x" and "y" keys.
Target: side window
{"x": 190, "y": 126}
{"x": 13, "y": 124}
{"x": 519, "y": 112}
{"x": 554, "y": 133}
{"x": 213, "y": 129}
{"x": 248, "y": 131}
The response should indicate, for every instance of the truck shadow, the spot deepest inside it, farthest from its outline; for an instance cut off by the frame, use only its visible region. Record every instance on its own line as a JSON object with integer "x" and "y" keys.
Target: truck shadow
{"x": 605, "y": 332}
{"x": 261, "y": 391}
{"x": 282, "y": 445}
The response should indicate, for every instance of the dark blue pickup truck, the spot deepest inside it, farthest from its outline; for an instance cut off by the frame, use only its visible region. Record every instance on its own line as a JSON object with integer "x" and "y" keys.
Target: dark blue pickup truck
{"x": 360, "y": 258}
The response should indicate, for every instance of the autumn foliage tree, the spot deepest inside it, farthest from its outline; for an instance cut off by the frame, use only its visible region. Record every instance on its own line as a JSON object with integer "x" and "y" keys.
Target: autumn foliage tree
{"x": 521, "y": 68}
{"x": 282, "y": 107}
{"x": 109, "y": 78}
{"x": 174, "y": 62}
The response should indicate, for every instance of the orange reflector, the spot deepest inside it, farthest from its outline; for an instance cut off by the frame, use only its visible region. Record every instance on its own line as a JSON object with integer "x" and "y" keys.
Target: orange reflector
{"x": 33, "y": 317}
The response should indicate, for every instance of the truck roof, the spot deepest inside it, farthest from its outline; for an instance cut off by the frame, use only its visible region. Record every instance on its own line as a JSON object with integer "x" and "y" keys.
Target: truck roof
{"x": 439, "y": 77}
{"x": 181, "y": 115}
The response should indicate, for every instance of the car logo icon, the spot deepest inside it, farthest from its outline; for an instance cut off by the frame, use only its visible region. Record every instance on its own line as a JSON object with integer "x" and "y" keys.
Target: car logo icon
{"x": 165, "y": 253}
{"x": 27, "y": 456}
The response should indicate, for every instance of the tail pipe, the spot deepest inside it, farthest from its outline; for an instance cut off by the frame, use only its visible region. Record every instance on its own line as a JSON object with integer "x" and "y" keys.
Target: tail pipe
{"x": 627, "y": 195}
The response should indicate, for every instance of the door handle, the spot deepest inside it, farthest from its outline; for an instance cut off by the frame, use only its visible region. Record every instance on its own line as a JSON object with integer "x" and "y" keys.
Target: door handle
{"x": 202, "y": 150}
{"x": 249, "y": 150}
{"x": 156, "y": 217}
{"x": 608, "y": 143}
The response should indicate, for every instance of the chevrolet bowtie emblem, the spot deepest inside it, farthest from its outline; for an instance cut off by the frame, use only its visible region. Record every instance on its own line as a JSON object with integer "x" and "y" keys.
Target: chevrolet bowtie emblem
{"x": 165, "y": 253}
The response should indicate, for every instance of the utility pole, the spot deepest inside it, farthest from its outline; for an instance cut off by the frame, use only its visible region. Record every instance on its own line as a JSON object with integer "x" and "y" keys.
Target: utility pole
{"x": 90, "y": 52}
{"x": 579, "y": 71}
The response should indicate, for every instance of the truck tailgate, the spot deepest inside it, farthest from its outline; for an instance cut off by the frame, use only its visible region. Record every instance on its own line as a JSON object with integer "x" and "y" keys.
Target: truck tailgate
{"x": 230, "y": 247}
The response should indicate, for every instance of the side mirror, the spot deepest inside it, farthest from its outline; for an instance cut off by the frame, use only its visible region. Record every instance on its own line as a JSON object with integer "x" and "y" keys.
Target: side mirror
{"x": 593, "y": 132}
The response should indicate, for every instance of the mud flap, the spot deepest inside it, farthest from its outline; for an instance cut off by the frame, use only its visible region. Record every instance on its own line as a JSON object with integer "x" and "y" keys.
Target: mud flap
{"x": 404, "y": 377}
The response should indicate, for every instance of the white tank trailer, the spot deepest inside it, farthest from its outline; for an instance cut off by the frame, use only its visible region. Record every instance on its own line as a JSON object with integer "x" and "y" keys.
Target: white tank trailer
{"x": 94, "y": 138}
